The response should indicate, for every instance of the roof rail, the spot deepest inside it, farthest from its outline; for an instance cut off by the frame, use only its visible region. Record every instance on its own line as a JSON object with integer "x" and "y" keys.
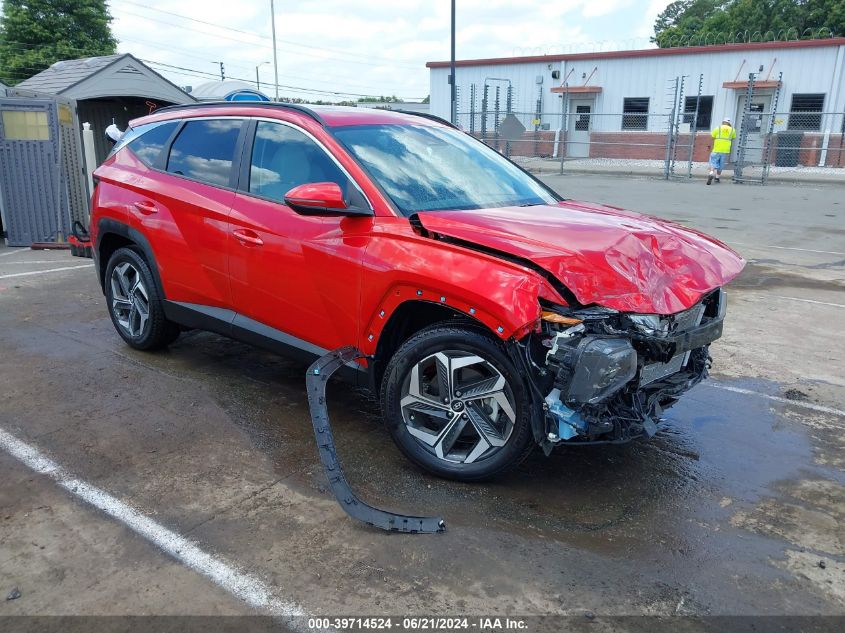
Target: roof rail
{"x": 252, "y": 104}
{"x": 427, "y": 115}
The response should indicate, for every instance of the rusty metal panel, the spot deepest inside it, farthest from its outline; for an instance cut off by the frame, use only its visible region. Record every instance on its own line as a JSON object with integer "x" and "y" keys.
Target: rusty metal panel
{"x": 34, "y": 207}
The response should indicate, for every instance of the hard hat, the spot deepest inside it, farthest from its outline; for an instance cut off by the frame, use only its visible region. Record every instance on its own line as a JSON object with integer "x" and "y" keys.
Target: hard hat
{"x": 727, "y": 120}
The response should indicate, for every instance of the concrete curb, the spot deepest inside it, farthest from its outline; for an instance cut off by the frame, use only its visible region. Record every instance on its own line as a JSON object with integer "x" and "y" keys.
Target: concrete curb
{"x": 776, "y": 178}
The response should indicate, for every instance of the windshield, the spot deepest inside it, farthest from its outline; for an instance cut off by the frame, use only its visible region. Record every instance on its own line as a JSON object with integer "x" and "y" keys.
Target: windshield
{"x": 425, "y": 168}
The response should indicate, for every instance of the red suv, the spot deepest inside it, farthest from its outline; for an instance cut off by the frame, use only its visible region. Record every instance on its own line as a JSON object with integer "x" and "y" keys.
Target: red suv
{"x": 493, "y": 314}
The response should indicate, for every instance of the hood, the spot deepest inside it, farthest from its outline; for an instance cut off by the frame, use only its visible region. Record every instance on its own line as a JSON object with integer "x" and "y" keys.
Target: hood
{"x": 604, "y": 255}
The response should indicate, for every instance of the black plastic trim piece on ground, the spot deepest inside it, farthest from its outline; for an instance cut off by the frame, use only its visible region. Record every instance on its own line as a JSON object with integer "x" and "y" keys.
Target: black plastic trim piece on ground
{"x": 315, "y": 380}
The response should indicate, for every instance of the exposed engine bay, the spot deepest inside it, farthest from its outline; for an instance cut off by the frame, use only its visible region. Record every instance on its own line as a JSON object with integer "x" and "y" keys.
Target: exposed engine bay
{"x": 604, "y": 376}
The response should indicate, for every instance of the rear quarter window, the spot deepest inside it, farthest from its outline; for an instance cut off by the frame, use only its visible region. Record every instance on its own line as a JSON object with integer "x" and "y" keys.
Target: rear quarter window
{"x": 149, "y": 144}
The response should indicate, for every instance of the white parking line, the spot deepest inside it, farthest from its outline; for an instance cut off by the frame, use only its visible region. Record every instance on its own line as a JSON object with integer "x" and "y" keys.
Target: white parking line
{"x": 795, "y": 403}
{"x": 240, "y": 584}
{"x": 787, "y": 248}
{"x": 44, "y": 272}
{"x": 821, "y": 303}
{"x": 13, "y": 252}
{"x": 32, "y": 261}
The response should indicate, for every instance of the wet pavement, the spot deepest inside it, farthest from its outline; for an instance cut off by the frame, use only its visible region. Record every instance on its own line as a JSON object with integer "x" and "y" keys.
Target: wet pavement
{"x": 736, "y": 507}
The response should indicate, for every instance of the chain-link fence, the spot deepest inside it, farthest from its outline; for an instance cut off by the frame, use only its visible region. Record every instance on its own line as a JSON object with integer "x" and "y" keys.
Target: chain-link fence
{"x": 675, "y": 143}
{"x": 546, "y": 141}
{"x": 797, "y": 140}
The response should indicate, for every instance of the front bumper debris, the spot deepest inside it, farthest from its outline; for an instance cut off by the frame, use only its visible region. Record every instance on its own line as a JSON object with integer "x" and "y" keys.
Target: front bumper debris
{"x": 315, "y": 379}
{"x": 610, "y": 377}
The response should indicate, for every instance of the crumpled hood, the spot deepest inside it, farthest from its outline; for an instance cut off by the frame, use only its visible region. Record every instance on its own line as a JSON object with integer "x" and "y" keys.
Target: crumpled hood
{"x": 604, "y": 255}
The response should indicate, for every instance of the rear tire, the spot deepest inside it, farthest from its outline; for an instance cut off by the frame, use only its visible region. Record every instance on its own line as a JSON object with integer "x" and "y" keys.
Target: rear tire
{"x": 134, "y": 303}
{"x": 455, "y": 404}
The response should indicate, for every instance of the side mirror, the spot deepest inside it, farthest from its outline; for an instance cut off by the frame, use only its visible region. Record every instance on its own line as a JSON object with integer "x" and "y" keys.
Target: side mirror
{"x": 321, "y": 198}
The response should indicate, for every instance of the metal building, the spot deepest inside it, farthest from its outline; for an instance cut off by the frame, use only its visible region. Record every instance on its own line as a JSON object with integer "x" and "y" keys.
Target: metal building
{"x": 610, "y": 104}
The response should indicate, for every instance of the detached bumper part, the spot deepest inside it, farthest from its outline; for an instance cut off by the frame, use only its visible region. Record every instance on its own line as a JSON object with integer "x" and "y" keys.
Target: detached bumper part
{"x": 315, "y": 379}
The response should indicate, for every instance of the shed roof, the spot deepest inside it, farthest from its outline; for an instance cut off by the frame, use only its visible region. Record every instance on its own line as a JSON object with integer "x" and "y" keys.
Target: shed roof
{"x": 106, "y": 76}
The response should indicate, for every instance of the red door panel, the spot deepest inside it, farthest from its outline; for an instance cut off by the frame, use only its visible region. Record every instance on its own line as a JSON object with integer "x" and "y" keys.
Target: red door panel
{"x": 298, "y": 274}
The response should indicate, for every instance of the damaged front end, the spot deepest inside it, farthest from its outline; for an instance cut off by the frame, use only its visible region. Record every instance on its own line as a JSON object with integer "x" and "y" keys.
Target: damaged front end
{"x": 603, "y": 376}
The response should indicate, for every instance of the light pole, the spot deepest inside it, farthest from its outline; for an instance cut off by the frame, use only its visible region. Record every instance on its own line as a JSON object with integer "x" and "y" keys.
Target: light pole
{"x": 257, "y": 82}
{"x": 275, "y": 54}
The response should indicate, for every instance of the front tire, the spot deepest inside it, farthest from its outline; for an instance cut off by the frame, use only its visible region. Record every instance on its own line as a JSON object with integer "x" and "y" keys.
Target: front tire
{"x": 134, "y": 302}
{"x": 455, "y": 405}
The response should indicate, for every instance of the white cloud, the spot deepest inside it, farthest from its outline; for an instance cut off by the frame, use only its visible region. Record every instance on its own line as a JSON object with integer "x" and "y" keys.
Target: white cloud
{"x": 374, "y": 47}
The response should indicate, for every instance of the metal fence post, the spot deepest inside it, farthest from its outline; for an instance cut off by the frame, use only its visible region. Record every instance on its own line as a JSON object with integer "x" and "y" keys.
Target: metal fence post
{"x": 564, "y": 126}
{"x": 484, "y": 112}
{"x": 472, "y": 91}
{"x": 770, "y": 128}
{"x": 743, "y": 129}
{"x": 694, "y": 126}
{"x": 508, "y": 110}
{"x": 670, "y": 131}
{"x": 496, "y": 117}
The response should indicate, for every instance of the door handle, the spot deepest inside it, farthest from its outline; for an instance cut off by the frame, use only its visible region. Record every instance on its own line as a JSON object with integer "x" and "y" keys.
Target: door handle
{"x": 145, "y": 206}
{"x": 246, "y": 236}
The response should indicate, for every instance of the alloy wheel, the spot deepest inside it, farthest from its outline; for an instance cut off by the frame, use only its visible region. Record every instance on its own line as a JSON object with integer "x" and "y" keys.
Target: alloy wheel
{"x": 458, "y": 406}
{"x": 130, "y": 300}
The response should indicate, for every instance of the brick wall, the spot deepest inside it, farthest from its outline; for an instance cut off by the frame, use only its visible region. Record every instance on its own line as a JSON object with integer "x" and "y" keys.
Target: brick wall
{"x": 652, "y": 146}
{"x": 810, "y": 150}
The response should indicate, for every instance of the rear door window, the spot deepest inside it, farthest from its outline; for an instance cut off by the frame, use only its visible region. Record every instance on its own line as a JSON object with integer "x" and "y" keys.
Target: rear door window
{"x": 205, "y": 150}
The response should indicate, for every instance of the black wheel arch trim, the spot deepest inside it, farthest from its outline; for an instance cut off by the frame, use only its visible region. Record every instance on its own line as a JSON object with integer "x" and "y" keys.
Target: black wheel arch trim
{"x": 110, "y": 226}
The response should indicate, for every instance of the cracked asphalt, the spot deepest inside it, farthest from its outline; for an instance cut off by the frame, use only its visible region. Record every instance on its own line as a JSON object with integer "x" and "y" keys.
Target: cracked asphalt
{"x": 736, "y": 507}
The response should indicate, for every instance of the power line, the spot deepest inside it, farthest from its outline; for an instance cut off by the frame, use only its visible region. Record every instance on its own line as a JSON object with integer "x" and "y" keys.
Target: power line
{"x": 181, "y": 51}
{"x": 192, "y": 72}
{"x": 346, "y": 54}
{"x": 285, "y": 86}
{"x": 242, "y": 41}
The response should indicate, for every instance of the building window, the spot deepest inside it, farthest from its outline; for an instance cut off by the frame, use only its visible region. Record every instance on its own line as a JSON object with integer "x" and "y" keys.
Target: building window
{"x": 636, "y": 113}
{"x": 805, "y": 113}
{"x": 705, "y": 112}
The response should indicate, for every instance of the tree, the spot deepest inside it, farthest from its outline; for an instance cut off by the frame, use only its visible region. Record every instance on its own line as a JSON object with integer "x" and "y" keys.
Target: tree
{"x": 682, "y": 20}
{"x": 37, "y": 33}
{"x": 712, "y": 21}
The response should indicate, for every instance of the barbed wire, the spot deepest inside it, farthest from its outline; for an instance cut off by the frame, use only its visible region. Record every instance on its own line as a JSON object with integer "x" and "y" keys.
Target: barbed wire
{"x": 680, "y": 41}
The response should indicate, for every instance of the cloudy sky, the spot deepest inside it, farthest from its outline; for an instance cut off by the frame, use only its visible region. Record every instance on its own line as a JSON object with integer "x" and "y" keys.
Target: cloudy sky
{"x": 337, "y": 49}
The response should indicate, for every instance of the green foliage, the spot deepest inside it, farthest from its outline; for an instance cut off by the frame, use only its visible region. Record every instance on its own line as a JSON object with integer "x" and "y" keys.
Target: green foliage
{"x": 37, "y": 33}
{"x": 381, "y": 99}
{"x": 712, "y": 21}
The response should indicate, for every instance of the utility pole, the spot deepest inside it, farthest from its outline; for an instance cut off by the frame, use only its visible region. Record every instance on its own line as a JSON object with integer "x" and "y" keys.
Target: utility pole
{"x": 257, "y": 82}
{"x": 222, "y": 71}
{"x": 454, "y": 102}
{"x": 275, "y": 54}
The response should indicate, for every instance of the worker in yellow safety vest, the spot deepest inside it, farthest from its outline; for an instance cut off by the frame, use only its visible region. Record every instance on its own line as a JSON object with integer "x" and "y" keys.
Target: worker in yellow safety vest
{"x": 722, "y": 137}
